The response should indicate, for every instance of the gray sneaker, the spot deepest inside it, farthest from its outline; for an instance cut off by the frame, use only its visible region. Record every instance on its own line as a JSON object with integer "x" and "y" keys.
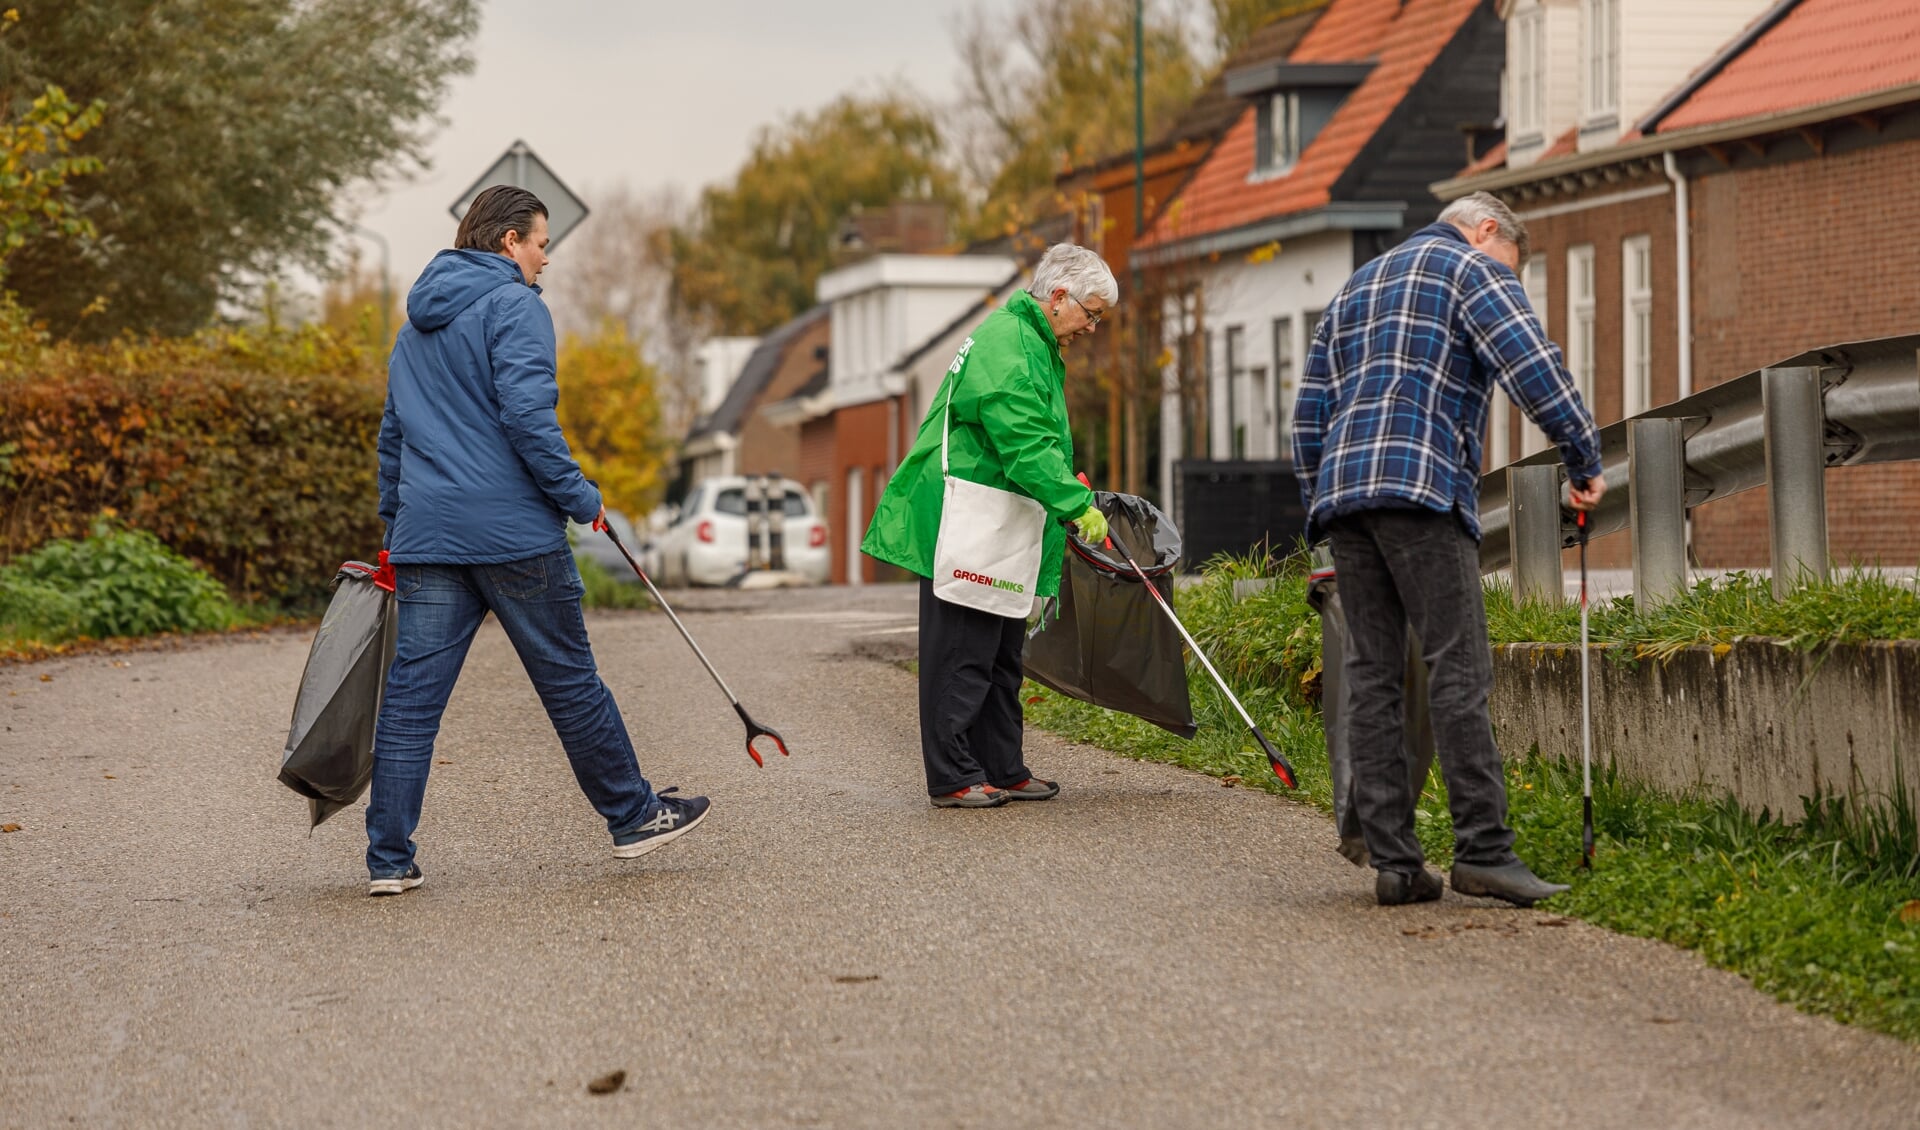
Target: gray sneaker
{"x": 974, "y": 796}
{"x": 1033, "y": 788}
{"x": 398, "y": 883}
{"x": 1515, "y": 882}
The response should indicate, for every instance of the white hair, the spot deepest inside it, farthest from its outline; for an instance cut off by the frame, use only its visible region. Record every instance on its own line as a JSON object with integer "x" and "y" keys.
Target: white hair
{"x": 1476, "y": 208}
{"x": 1078, "y": 271}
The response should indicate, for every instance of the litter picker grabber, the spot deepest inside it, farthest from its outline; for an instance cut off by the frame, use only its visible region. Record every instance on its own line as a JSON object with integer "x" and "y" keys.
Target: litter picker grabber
{"x": 1281, "y": 767}
{"x": 1586, "y": 710}
{"x": 755, "y": 731}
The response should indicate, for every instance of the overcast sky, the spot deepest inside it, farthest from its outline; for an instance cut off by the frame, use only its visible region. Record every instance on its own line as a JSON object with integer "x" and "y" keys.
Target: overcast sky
{"x": 652, "y": 92}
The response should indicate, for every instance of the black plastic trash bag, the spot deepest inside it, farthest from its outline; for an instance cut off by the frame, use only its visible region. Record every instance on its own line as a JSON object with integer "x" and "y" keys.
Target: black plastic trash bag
{"x": 1336, "y": 701}
{"x": 1105, "y": 642}
{"x": 329, "y": 754}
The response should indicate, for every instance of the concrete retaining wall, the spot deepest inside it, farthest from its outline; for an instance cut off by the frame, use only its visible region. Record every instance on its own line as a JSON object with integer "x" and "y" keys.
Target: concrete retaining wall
{"x": 1759, "y": 720}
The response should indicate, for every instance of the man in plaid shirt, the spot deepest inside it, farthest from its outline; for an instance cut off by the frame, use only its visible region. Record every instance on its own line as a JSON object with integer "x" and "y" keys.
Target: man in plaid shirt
{"x": 1386, "y": 444}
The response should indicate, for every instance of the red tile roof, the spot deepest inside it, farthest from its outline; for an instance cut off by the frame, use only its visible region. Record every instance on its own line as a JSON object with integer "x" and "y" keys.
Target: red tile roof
{"x": 1402, "y": 36}
{"x": 1822, "y": 51}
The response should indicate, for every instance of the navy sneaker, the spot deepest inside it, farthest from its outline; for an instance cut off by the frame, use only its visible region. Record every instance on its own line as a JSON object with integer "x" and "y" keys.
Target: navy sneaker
{"x": 670, "y": 818}
{"x": 397, "y": 884}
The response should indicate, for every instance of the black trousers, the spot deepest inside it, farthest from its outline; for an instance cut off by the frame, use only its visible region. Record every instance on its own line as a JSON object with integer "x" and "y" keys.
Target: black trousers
{"x": 1419, "y": 568}
{"x": 970, "y": 719}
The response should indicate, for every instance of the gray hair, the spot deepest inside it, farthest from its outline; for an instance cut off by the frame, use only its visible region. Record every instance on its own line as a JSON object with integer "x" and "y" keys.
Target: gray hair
{"x": 1476, "y": 208}
{"x": 1078, "y": 271}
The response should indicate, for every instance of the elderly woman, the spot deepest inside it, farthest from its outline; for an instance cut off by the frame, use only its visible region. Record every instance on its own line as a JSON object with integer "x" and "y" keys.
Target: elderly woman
{"x": 1003, "y": 412}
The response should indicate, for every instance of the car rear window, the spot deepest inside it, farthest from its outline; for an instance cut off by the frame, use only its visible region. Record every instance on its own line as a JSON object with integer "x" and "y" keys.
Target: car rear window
{"x": 734, "y": 501}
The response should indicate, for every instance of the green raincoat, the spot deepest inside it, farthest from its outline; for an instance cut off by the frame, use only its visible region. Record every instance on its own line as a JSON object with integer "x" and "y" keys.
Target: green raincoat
{"x": 1009, "y": 430}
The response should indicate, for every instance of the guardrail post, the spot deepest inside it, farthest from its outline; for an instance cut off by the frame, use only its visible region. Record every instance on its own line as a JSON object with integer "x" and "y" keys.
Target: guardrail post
{"x": 1533, "y": 523}
{"x": 1657, "y": 508}
{"x": 1795, "y": 421}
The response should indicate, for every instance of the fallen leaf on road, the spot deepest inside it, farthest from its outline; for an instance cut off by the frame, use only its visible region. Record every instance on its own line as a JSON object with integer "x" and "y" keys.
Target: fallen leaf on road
{"x": 1229, "y": 781}
{"x": 109, "y": 776}
{"x": 1663, "y": 1020}
{"x": 608, "y": 1084}
{"x": 443, "y": 761}
{"x": 1553, "y": 922}
{"x": 9, "y": 827}
{"x": 46, "y": 678}
{"x": 1910, "y": 913}
{"x": 855, "y": 978}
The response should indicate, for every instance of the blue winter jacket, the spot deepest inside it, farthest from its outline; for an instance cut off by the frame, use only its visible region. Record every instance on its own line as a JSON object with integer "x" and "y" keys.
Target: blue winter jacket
{"x": 473, "y": 467}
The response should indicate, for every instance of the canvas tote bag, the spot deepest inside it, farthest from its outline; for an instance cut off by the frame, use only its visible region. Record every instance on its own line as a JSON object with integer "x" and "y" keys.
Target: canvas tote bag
{"x": 988, "y": 552}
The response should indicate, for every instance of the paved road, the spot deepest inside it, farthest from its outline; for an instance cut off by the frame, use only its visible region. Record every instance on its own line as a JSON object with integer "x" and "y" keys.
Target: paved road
{"x": 1149, "y": 950}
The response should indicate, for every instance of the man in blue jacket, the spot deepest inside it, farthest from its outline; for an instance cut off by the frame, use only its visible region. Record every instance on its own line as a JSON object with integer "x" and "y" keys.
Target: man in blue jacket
{"x": 476, "y": 486}
{"x": 1386, "y": 444}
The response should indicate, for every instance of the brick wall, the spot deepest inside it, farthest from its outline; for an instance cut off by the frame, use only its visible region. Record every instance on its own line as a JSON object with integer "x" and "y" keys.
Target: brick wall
{"x": 1604, "y": 225}
{"x": 1792, "y": 256}
{"x": 766, "y": 448}
{"x": 1786, "y": 257}
{"x": 860, "y": 441}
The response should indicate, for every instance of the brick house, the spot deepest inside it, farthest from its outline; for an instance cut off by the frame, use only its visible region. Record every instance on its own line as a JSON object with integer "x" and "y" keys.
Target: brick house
{"x": 734, "y": 438}
{"x": 1777, "y": 143}
{"x": 1100, "y": 199}
{"x": 1327, "y": 164}
{"x": 856, "y": 418}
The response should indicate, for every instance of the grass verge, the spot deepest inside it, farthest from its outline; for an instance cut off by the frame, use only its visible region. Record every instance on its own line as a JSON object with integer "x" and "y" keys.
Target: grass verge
{"x": 1824, "y": 913}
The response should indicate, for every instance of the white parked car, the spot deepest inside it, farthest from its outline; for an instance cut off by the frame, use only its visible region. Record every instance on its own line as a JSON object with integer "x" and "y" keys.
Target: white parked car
{"x": 707, "y": 544}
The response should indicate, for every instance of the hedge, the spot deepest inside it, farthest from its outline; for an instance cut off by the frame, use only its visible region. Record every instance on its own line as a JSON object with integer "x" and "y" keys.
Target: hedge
{"x": 253, "y": 452}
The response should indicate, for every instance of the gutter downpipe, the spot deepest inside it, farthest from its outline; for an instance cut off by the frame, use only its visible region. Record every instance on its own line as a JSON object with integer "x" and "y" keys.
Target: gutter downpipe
{"x": 1683, "y": 272}
{"x": 1683, "y": 253}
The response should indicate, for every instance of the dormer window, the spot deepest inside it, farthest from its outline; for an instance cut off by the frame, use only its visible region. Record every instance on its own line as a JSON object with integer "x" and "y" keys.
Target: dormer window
{"x": 1292, "y": 103}
{"x": 1288, "y": 123}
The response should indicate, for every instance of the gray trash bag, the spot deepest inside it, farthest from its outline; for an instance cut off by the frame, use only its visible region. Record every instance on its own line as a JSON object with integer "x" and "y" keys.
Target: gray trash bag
{"x": 329, "y": 754}
{"x": 1336, "y": 701}
{"x": 1105, "y": 641}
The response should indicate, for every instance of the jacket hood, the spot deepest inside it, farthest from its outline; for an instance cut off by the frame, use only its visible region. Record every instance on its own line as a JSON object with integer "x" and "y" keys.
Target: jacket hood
{"x": 455, "y": 280}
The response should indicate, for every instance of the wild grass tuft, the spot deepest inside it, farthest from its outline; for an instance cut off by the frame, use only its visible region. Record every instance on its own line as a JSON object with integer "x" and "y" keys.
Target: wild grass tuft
{"x": 1824, "y": 912}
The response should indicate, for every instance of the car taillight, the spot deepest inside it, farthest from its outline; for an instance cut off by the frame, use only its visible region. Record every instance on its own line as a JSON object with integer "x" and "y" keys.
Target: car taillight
{"x": 704, "y": 531}
{"x": 817, "y": 537}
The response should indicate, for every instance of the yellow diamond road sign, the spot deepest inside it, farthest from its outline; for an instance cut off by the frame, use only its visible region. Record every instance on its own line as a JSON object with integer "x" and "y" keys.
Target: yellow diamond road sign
{"x": 519, "y": 167}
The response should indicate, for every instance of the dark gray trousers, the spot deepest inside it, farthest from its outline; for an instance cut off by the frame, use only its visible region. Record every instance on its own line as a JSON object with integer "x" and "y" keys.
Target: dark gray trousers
{"x": 1419, "y": 568}
{"x": 971, "y": 724}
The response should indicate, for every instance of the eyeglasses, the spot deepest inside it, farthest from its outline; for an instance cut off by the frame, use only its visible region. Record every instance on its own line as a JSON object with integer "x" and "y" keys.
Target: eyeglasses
{"x": 1093, "y": 319}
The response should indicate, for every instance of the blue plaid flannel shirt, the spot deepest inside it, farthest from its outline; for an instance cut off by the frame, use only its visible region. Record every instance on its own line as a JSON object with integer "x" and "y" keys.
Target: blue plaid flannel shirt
{"x": 1394, "y": 401}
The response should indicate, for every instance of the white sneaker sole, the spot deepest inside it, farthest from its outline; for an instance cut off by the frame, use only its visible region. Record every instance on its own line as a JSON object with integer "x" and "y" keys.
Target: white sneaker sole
{"x": 641, "y": 847}
{"x": 394, "y": 886}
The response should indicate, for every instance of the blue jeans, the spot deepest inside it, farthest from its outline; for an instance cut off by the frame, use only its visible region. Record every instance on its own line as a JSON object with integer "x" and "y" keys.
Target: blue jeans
{"x": 537, "y": 601}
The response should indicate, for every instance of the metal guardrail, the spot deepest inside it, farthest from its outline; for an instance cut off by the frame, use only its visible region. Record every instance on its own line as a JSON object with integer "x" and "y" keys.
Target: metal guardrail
{"x": 1839, "y": 406}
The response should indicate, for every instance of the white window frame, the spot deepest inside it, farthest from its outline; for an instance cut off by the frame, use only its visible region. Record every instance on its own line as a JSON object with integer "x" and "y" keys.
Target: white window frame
{"x": 1529, "y": 85}
{"x": 1285, "y": 381}
{"x": 1636, "y": 325}
{"x": 1582, "y": 338}
{"x": 1533, "y": 278}
{"x": 1600, "y": 57}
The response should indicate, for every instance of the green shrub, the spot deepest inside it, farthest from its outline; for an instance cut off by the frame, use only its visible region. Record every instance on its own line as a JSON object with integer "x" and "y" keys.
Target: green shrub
{"x": 117, "y": 582}
{"x": 250, "y": 452}
{"x": 604, "y": 590}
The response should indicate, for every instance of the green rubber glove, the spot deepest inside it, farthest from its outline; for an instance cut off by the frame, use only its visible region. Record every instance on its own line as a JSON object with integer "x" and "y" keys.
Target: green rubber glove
{"x": 1093, "y": 526}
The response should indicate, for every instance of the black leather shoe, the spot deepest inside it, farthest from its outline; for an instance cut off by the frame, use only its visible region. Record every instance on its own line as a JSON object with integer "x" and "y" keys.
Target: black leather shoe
{"x": 1514, "y": 882}
{"x": 1394, "y": 888}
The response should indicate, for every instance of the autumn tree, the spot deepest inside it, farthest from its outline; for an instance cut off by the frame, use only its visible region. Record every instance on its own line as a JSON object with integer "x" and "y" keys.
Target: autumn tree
{"x": 618, "y": 269}
{"x": 1235, "y": 21}
{"x": 1049, "y": 84}
{"x": 748, "y": 260}
{"x": 611, "y": 415}
{"x": 235, "y": 127}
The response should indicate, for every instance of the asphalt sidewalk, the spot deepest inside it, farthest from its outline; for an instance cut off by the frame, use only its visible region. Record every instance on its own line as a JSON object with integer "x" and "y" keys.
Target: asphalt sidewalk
{"x": 1150, "y": 949}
